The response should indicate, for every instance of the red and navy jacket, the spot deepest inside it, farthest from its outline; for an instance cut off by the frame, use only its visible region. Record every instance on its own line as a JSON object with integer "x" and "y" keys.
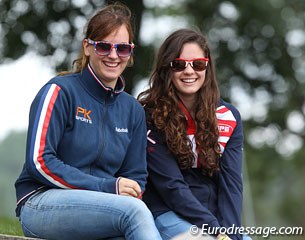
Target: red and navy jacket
{"x": 199, "y": 199}
{"x": 83, "y": 135}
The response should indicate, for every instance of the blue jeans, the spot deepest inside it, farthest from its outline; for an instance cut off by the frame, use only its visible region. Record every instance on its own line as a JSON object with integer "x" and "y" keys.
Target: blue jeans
{"x": 81, "y": 214}
{"x": 171, "y": 225}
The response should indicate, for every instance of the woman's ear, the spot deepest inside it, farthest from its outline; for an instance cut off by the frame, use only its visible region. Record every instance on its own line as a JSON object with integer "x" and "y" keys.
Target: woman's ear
{"x": 86, "y": 46}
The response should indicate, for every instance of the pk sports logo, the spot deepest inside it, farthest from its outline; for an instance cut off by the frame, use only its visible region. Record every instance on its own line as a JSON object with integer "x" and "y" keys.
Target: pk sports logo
{"x": 82, "y": 114}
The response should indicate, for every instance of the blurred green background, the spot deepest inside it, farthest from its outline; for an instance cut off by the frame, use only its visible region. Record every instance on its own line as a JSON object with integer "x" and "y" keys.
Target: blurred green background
{"x": 258, "y": 48}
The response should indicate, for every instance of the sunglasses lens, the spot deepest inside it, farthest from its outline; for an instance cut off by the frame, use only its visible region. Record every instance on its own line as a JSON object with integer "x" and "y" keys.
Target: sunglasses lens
{"x": 199, "y": 65}
{"x": 103, "y": 48}
{"x": 178, "y": 65}
{"x": 123, "y": 50}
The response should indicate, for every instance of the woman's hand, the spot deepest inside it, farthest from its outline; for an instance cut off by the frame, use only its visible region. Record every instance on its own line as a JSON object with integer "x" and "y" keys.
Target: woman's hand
{"x": 128, "y": 187}
{"x": 223, "y": 237}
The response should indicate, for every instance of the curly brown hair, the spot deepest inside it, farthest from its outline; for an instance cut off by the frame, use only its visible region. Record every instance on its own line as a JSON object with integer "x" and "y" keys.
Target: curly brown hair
{"x": 161, "y": 105}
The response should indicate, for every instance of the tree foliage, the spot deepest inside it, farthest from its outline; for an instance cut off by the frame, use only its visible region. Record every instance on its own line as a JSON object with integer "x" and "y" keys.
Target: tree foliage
{"x": 56, "y": 29}
{"x": 12, "y": 151}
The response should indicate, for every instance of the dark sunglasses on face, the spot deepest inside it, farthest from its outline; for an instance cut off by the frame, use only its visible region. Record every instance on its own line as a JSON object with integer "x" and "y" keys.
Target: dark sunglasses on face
{"x": 198, "y": 64}
{"x": 104, "y": 48}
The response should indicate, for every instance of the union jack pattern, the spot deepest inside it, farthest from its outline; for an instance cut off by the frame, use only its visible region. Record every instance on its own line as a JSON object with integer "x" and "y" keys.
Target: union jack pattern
{"x": 226, "y": 125}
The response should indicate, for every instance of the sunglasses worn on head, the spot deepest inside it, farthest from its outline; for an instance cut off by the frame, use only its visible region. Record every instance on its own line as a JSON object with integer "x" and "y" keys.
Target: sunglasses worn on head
{"x": 198, "y": 64}
{"x": 104, "y": 48}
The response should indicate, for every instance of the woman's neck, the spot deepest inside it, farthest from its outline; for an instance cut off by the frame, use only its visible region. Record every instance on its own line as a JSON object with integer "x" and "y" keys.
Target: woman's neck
{"x": 189, "y": 103}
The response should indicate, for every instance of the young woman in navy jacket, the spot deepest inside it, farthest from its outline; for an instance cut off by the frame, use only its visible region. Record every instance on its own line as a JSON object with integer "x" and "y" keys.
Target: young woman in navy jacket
{"x": 195, "y": 142}
{"x": 85, "y": 167}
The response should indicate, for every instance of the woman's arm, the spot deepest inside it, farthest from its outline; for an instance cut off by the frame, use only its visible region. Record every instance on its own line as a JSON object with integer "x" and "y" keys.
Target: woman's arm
{"x": 230, "y": 185}
{"x": 167, "y": 179}
{"x": 47, "y": 123}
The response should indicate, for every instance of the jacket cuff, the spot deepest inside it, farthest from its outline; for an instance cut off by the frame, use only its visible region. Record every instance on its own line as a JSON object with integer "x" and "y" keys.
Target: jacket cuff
{"x": 117, "y": 188}
{"x": 109, "y": 186}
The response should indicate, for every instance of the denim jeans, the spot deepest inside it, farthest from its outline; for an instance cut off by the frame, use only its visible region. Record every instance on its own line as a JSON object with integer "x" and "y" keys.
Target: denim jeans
{"x": 170, "y": 225}
{"x": 81, "y": 214}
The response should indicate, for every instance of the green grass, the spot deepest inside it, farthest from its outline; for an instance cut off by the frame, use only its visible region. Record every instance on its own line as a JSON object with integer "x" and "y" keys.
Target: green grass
{"x": 10, "y": 226}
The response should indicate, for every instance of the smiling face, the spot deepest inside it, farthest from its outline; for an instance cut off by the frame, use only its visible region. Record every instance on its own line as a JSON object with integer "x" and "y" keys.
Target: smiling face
{"x": 108, "y": 68}
{"x": 189, "y": 81}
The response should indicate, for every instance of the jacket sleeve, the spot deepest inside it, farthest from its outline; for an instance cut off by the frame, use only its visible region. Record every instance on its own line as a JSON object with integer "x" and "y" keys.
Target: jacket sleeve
{"x": 230, "y": 177}
{"x": 47, "y": 123}
{"x": 166, "y": 177}
{"x": 135, "y": 166}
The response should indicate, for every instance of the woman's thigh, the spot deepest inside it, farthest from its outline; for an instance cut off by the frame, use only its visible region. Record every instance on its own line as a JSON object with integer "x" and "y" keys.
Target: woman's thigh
{"x": 79, "y": 214}
{"x": 170, "y": 224}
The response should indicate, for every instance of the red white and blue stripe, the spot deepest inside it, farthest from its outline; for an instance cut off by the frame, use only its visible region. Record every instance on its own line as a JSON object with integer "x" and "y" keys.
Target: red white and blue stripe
{"x": 38, "y": 141}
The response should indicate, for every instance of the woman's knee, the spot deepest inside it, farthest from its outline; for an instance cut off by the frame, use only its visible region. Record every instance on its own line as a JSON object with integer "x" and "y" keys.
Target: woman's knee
{"x": 138, "y": 206}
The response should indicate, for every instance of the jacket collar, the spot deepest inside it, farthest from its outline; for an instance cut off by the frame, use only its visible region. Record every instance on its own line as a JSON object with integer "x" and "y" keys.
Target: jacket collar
{"x": 96, "y": 87}
{"x": 191, "y": 125}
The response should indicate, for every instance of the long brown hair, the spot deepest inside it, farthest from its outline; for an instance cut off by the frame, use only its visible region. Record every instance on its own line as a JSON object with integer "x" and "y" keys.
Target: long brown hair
{"x": 161, "y": 105}
{"x": 101, "y": 24}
